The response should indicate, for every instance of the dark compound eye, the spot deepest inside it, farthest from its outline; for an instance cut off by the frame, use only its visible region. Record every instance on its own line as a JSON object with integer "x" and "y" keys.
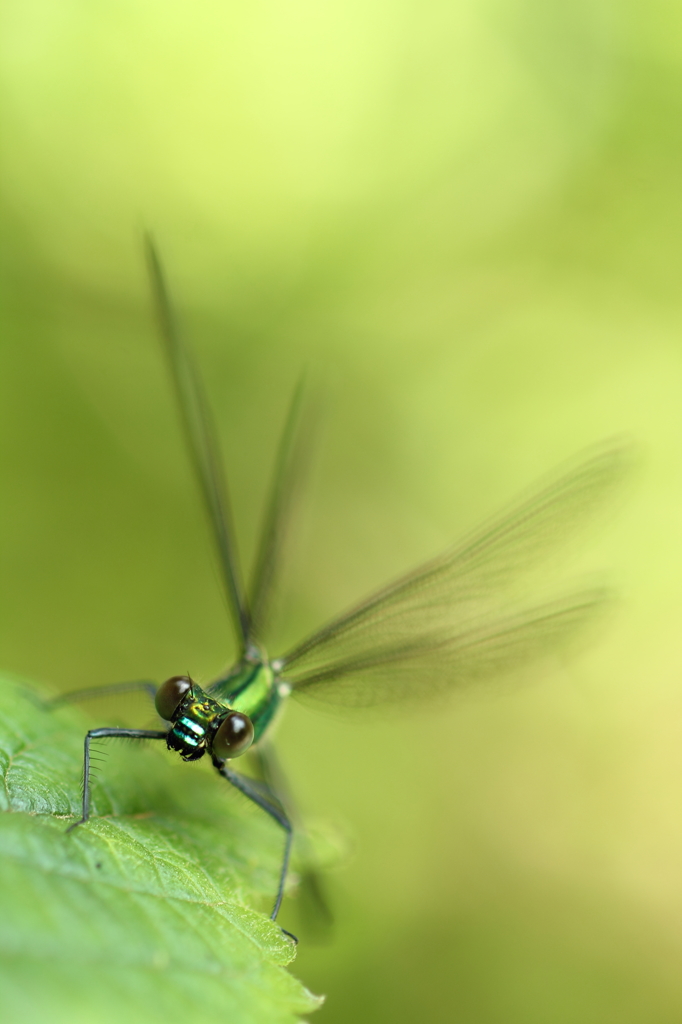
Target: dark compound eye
{"x": 171, "y": 694}
{"x": 234, "y": 736}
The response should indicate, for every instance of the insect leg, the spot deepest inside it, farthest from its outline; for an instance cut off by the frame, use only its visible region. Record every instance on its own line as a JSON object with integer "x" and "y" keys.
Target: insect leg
{"x": 102, "y": 691}
{"x": 93, "y": 734}
{"x": 314, "y": 906}
{"x": 265, "y": 798}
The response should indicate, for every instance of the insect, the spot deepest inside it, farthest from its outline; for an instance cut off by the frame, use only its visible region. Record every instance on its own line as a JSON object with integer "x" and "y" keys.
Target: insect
{"x": 445, "y": 624}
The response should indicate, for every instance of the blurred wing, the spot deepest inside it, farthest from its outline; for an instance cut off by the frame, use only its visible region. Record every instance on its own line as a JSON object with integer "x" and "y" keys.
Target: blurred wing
{"x": 453, "y": 603}
{"x": 288, "y": 466}
{"x": 436, "y": 663}
{"x": 202, "y": 444}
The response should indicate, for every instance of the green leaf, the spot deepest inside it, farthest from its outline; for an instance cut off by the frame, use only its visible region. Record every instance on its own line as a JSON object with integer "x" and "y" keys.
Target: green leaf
{"x": 156, "y": 909}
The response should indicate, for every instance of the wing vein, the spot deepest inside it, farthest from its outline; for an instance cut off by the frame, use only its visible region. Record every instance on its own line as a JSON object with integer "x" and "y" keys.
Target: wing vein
{"x": 202, "y": 443}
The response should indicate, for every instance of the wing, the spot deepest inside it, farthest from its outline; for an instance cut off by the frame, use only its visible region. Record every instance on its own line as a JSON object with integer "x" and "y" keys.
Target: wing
{"x": 449, "y": 620}
{"x": 288, "y": 467}
{"x": 438, "y": 662}
{"x": 202, "y": 443}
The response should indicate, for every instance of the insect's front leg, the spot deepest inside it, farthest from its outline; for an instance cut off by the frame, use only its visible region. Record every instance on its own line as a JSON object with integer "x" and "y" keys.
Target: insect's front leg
{"x": 89, "y": 692}
{"x": 265, "y": 797}
{"x": 93, "y": 734}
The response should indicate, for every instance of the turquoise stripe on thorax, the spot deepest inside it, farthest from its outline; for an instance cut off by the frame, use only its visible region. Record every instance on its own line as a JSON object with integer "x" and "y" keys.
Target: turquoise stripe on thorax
{"x": 189, "y": 724}
{"x": 183, "y": 736}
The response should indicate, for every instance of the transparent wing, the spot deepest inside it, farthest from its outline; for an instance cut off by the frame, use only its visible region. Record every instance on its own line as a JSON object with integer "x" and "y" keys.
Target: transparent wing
{"x": 438, "y": 662}
{"x": 453, "y": 612}
{"x": 288, "y": 467}
{"x": 202, "y": 444}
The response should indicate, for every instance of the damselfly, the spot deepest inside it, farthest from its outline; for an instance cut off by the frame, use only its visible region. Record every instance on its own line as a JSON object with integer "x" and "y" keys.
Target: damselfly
{"x": 439, "y": 627}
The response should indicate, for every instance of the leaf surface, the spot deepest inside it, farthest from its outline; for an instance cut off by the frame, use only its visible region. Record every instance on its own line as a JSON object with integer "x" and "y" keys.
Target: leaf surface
{"x": 156, "y": 909}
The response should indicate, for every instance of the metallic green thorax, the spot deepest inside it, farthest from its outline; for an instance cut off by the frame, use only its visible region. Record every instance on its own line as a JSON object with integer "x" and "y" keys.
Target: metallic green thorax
{"x": 253, "y": 689}
{"x": 250, "y": 688}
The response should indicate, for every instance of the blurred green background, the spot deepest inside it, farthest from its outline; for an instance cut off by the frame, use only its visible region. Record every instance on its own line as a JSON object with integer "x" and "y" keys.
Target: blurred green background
{"x": 465, "y": 219}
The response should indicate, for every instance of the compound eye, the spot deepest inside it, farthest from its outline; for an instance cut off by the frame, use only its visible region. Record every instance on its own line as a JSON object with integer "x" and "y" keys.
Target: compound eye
{"x": 171, "y": 694}
{"x": 234, "y": 736}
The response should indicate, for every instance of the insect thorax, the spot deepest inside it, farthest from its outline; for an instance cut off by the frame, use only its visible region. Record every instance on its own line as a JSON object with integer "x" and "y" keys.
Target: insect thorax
{"x": 253, "y": 689}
